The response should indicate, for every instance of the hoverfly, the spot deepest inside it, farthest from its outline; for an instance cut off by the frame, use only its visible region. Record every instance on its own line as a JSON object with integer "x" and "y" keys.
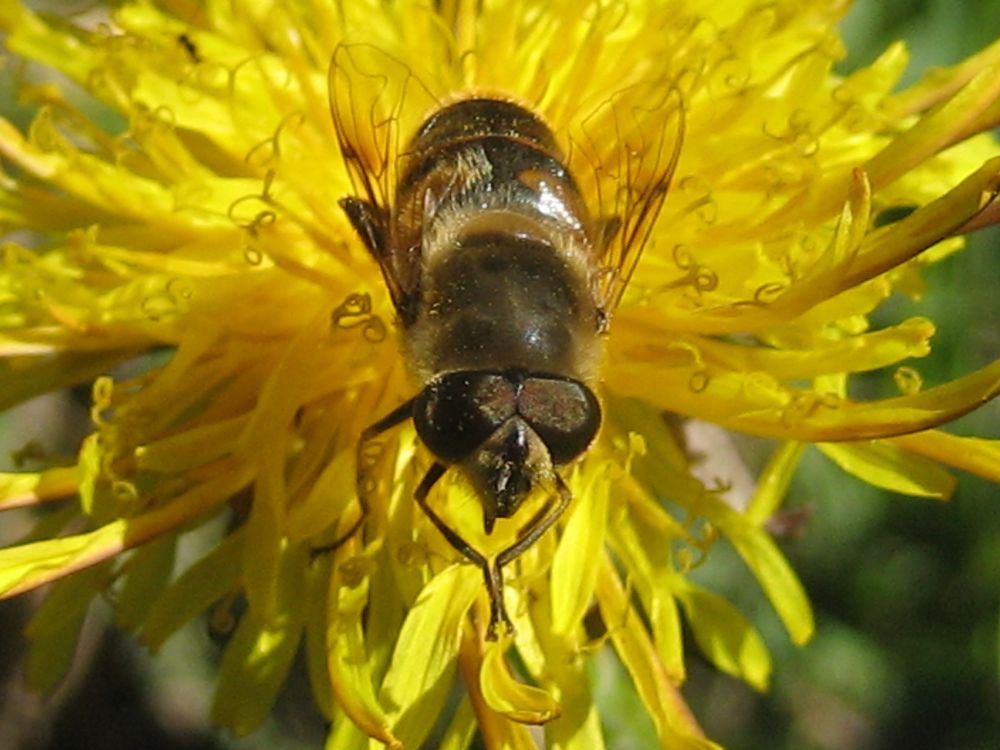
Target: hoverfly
{"x": 502, "y": 276}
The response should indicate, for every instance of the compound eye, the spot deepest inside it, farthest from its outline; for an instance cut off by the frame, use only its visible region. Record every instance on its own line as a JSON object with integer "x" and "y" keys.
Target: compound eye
{"x": 456, "y": 413}
{"x": 564, "y": 413}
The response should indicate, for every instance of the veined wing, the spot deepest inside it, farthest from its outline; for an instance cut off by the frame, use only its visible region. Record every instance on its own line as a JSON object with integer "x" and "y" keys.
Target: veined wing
{"x": 624, "y": 154}
{"x": 376, "y": 103}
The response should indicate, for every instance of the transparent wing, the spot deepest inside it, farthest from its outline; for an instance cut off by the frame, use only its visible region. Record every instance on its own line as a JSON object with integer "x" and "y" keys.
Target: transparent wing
{"x": 376, "y": 103}
{"x": 624, "y": 154}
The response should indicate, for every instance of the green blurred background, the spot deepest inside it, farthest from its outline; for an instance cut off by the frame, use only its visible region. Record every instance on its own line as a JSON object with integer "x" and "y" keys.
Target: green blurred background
{"x": 906, "y": 592}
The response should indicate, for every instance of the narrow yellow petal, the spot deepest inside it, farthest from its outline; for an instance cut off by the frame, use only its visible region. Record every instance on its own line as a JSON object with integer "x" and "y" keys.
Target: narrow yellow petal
{"x": 346, "y": 735}
{"x": 253, "y": 667}
{"x": 350, "y": 668}
{"x": 195, "y": 447}
{"x": 646, "y": 555}
{"x": 146, "y": 574}
{"x": 515, "y": 700}
{"x": 496, "y": 730}
{"x": 579, "y": 727}
{"x": 55, "y": 627}
{"x": 940, "y": 83}
{"x": 974, "y": 455}
{"x": 31, "y": 565}
{"x": 773, "y": 482}
{"x": 461, "y": 729}
{"x": 725, "y": 636}
{"x": 888, "y": 247}
{"x": 419, "y": 675}
{"x": 329, "y": 498}
{"x": 860, "y": 353}
{"x": 207, "y": 581}
{"x": 892, "y": 245}
{"x": 30, "y": 488}
{"x": 882, "y": 464}
{"x": 779, "y": 582}
{"x": 938, "y": 130}
{"x": 317, "y": 607}
{"x": 22, "y": 378}
{"x": 573, "y": 574}
{"x": 260, "y": 653}
{"x": 30, "y": 37}
{"x": 266, "y": 543}
{"x": 576, "y": 727}
{"x": 765, "y": 560}
{"x": 758, "y": 405}
{"x": 675, "y": 725}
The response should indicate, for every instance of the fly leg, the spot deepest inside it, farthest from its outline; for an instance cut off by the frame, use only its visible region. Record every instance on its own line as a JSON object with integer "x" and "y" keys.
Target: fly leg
{"x": 538, "y": 526}
{"x": 397, "y": 416}
{"x": 491, "y": 574}
{"x": 531, "y": 534}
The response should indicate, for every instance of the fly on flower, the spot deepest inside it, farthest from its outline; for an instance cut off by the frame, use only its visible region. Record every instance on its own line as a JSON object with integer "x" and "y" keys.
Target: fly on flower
{"x": 504, "y": 256}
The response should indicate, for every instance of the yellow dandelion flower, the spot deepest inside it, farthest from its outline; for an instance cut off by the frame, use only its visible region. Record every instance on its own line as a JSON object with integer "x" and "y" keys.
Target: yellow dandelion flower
{"x": 201, "y": 228}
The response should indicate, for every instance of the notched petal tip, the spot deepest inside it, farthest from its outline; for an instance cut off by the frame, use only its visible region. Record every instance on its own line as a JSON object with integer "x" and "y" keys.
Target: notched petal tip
{"x": 517, "y": 701}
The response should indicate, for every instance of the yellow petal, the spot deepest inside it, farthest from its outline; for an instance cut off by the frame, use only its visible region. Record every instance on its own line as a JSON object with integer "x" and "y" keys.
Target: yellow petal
{"x": 646, "y": 555}
{"x": 253, "y": 667}
{"x": 260, "y": 653}
{"x": 890, "y": 246}
{"x": 515, "y": 700}
{"x": 577, "y": 727}
{"x": 952, "y": 121}
{"x": 329, "y": 498}
{"x": 30, "y": 37}
{"x": 675, "y": 725}
{"x": 22, "y": 378}
{"x": 54, "y": 629}
{"x": 145, "y": 574}
{"x": 286, "y": 387}
{"x": 645, "y": 340}
{"x": 30, "y": 565}
{"x": 266, "y": 542}
{"x": 974, "y": 455}
{"x": 887, "y": 247}
{"x": 207, "y": 581}
{"x": 756, "y": 404}
{"x": 461, "y": 729}
{"x": 496, "y": 730}
{"x": 768, "y": 565}
{"x": 573, "y": 572}
{"x": 29, "y": 488}
{"x": 940, "y": 83}
{"x": 773, "y": 482}
{"x": 346, "y": 735}
{"x": 884, "y": 465}
{"x": 350, "y": 668}
{"x": 419, "y": 675}
{"x": 195, "y": 447}
{"x": 755, "y": 547}
{"x": 94, "y": 181}
{"x": 725, "y": 636}
{"x": 317, "y": 608}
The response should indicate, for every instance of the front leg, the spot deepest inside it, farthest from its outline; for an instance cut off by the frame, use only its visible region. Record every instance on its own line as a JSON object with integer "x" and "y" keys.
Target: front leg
{"x": 492, "y": 574}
